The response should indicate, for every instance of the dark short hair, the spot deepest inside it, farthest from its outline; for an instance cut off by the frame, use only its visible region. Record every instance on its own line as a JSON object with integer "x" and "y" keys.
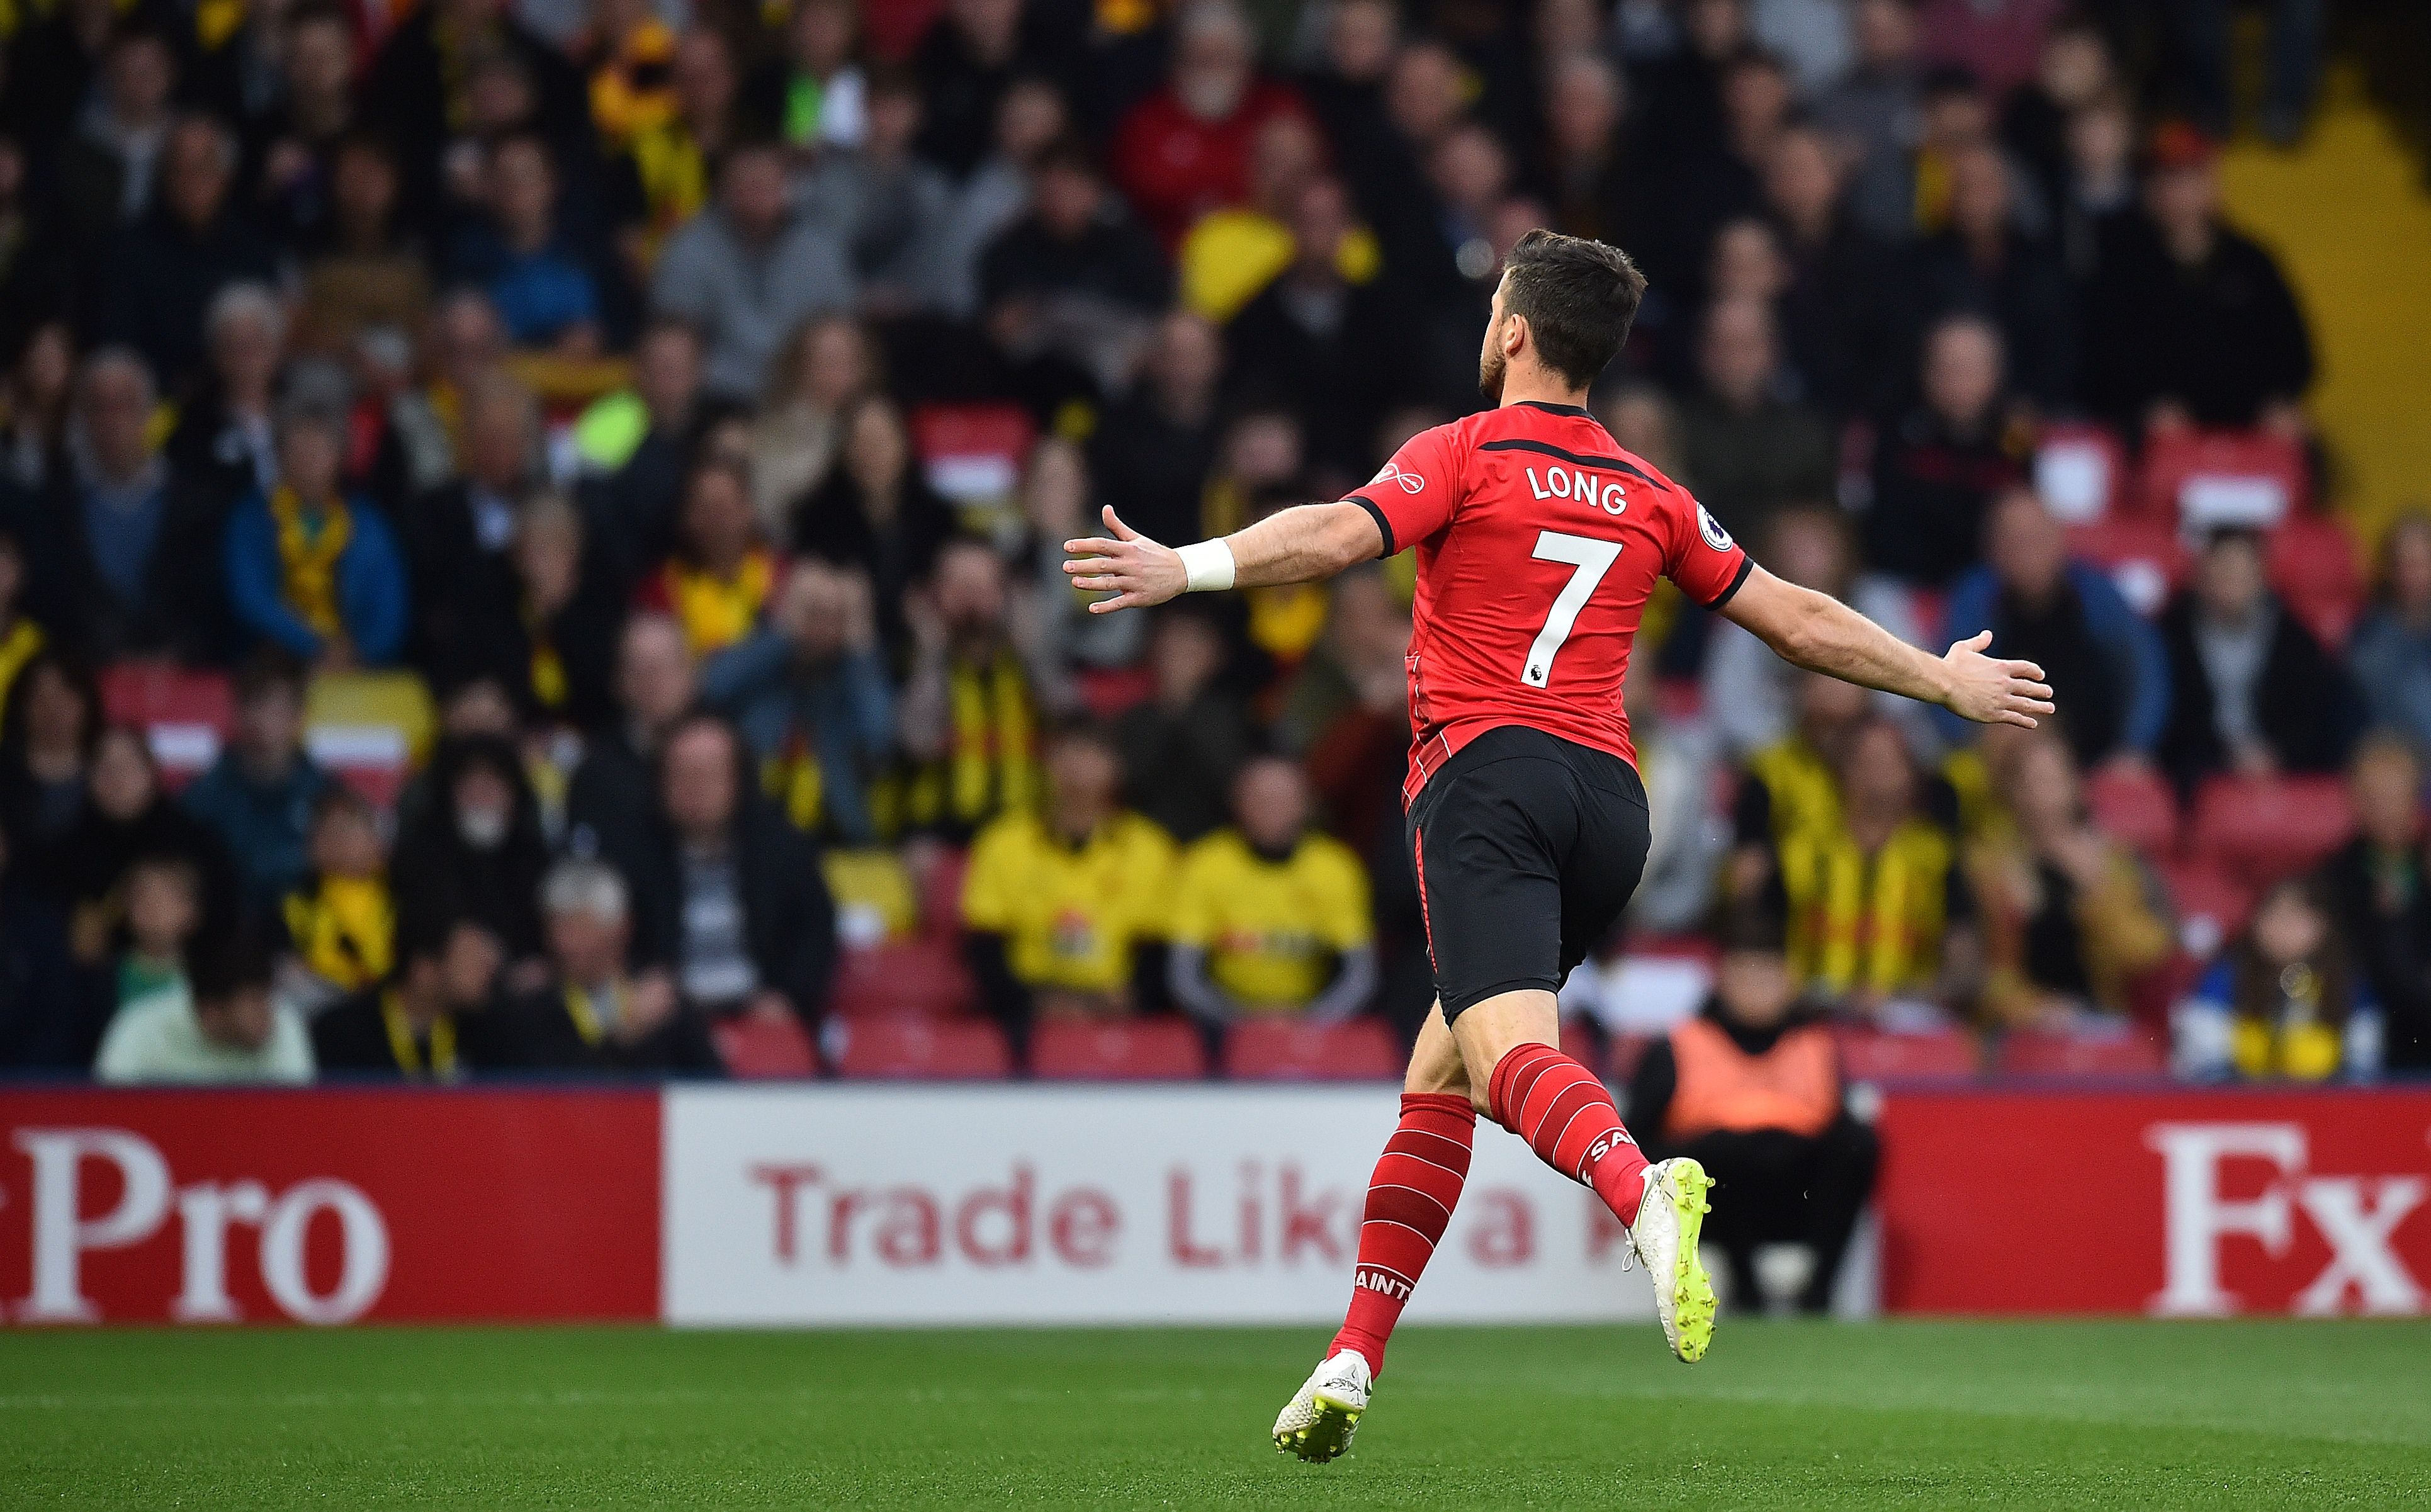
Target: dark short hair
{"x": 269, "y": 669}
{"x": 220, "y": 965}
{"x": 1578, "y": 297}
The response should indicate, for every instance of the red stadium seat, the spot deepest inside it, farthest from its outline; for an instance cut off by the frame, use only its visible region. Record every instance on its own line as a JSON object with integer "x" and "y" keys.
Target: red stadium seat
{"x": 2029, "y": 1053}
{"x": 1283, "y": 1049}
{"x": 2313, "y": 566}
{"x": 757, "y": 1048}
{"x": 968, "y": 1049}
{"x": 184, "y": 715}
{"x": 2261, "y": 829}
{"x": 2218, "y": 476}
{"x": 2080, "y": 471}
{"x": 1110, "y": 692}
{"x": 1877, "y": 1055}
{"x": 912, "y": 979}
{"x": 2142, "y": 555}
{"x": 940, "y": 895}
{"x": 1150, "y": 1049}
{"x": 973, "y": 454}
{"x": 2137, "y": 809}
{"x": 2210, "y": 904}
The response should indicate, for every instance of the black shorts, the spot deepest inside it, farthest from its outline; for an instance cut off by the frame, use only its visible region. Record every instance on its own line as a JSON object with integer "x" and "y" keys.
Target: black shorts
{"x": 1526, "y": 848}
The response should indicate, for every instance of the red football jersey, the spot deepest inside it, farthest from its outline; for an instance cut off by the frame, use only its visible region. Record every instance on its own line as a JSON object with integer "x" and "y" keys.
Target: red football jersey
{"x": 1540, "y": 541}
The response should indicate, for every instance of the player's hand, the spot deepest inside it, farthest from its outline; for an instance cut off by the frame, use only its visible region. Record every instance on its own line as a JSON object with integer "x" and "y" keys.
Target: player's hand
{"x": 1991, "y": 691}
{"x": 1136, "y": 570}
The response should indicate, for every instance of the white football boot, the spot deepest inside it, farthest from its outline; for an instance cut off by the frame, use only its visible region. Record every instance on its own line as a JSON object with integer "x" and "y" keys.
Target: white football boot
{"x": 1324, "y": 1413}
{"x": 1669, "y": 1218}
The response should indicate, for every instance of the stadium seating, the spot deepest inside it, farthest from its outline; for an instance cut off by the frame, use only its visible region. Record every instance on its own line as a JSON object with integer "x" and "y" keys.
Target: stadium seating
{"x": 1878, "y": 1055}
{"x": 2144, "y": 556}
{"x": 2261, "y": 829}
{"x": 184, "y": 715}
{"x": 2211, "y": 904}
{"x": 972, "y": 454}
{"x": 1275, "y": 1050}
{"x": 2313, "y": 566}
{"x": 1166, "y": 1049}
{"x": 369, "y": 729}
{"x": 757, "y": 1048}
{"x": 2119, "y": 1056}
{"x": 2080, "y": 470}
{"x": 911, "y": 979}
{"x": 941, "y": 894}
{"x": 919, "y": 1050}
{"x": 1108, "y": 691}
{"x": 2209, "y": 477}
{"x": 2136, "y": 809}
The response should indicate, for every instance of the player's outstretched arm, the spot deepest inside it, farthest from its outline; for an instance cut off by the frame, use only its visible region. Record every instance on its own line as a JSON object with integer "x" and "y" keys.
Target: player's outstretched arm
{"x": 1822, "y": 634}
{"x": 1296, "y": 544}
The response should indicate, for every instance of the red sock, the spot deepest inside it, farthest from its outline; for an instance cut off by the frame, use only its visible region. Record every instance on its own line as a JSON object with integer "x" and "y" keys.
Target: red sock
{"x": 1568, "y": 1118}
{"x": 1410, "y": 1199}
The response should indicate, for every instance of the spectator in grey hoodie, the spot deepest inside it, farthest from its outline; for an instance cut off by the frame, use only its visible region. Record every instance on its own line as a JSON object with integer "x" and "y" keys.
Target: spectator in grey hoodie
{"x": 746, "y": 270}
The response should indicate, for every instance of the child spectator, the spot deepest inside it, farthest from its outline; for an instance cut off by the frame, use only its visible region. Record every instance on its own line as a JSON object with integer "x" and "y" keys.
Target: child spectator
{"x": 310, "y": 569}
{"x": 2284, "y": 1002}
{"x": 164, "y": 908}
{"x": 126, "y": 817}
{"x": 340, "y": 921}
{"x": 1751, "y": 1086}
{"x": 1268, "y": 917}
{"x": 259, "y": 795}
{"x": 1063, "y": 906}
{"x": 219, "y": 1023}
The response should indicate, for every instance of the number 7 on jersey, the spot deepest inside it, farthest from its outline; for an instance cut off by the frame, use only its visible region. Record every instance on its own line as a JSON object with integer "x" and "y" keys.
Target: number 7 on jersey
{"x": 1593, "y": 559}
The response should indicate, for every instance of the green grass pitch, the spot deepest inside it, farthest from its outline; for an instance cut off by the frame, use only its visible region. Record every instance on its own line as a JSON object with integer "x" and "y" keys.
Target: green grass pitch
{"x": 1910, "y": 1414}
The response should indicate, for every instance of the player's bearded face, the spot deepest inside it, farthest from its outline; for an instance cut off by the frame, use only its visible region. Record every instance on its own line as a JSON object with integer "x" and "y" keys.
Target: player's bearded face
{"x": 1491, "y": 364}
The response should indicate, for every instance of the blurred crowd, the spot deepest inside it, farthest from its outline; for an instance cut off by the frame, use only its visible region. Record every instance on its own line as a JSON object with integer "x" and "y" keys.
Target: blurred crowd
{"x": 671, "y": 412}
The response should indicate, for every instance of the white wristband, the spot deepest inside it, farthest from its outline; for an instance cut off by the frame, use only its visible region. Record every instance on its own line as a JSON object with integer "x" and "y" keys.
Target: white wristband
{"x": 1209, "y": 566}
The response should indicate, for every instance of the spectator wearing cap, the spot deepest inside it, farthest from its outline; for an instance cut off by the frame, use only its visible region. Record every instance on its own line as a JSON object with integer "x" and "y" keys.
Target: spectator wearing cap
{"x": 437, "y": 1020}
{"x": 2199, "y": 327}
{"x": 260, "y": 792}
{"x": 1749, "y": 448}
{"x": 1271, "y": 917}
{"x": 218, "y": 1023}
{"x": 1075, "y": 279}
{"x": 114, "y": 552}
{"x": 729, "y": 899}
{"x": 1940, "y": 467}
{"x": 812, "y": 703}
{"x": 595, "y": 1013}
{"x": 2071, "y": 920}
{"x": 747, "y": 269}
{"x": 311, "y": 570}
{"x": 158, "y": 280}
{"x": 2379, "y": 889}
{"x": 1186, "y": 148}
{"x": 2105, "y": 662}
{"x": 2251, "y": 690}
{"x": 1751, "y": 1087}
{"x": 1064, "y": 904}
{"x": 2391, "y": 652}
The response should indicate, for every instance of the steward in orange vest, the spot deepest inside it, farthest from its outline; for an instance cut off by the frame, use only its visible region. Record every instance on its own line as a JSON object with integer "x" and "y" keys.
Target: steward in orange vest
{"x": 1751, "y": 1086}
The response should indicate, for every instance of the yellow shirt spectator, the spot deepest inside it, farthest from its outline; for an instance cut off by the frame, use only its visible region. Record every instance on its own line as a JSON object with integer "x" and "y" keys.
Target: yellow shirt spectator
{"x": 1071, "y": 915}
{"x": 1271, "y": 930}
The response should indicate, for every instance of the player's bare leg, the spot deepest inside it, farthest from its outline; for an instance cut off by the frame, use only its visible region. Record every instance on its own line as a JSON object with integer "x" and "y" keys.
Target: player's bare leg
{"x": 1410, "y": 1199}
{"x": 1510, "y": 1045}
